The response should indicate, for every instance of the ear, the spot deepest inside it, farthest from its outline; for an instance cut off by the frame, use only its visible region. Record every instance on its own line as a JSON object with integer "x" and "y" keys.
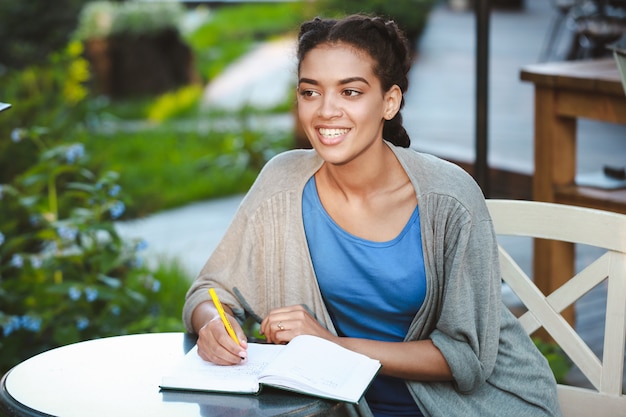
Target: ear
{"x": 392, "y": 99}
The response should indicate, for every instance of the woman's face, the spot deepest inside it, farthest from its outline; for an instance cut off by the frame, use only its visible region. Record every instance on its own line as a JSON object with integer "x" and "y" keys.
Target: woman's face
{"x": 341, "y": 105}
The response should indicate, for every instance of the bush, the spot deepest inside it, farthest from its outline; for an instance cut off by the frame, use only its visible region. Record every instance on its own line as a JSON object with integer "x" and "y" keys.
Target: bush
{"x": 66, "y": 274}
{"x": 31, "y": 30}
{"x": 52, "y": 94}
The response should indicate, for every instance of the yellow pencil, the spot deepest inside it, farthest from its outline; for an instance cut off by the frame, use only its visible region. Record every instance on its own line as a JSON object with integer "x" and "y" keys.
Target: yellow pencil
{"x": 220, "y": 310}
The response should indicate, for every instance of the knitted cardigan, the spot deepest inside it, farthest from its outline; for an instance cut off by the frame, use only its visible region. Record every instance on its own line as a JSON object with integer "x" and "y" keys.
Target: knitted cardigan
{"x": 263, "y": 262}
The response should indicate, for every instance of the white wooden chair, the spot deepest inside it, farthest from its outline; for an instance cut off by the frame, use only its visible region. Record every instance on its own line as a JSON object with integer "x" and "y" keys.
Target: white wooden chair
{"x": 597, "y": 228}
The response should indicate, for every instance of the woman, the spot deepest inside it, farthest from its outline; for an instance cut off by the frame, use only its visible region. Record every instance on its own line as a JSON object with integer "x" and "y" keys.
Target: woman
{"x": 376, "y": 247}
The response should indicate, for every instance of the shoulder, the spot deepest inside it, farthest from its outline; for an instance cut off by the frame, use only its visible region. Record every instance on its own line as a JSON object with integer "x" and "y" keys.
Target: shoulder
{"x": 283, "y": 175}
{"x": 443, "y": 184}
{"x": 288, "y": 169}
{"x": 435, "y": 175}
{"x": 295, "y": 159}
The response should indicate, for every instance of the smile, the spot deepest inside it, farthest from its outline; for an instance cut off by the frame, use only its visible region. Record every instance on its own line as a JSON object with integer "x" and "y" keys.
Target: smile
{"x": 332, "y": 133}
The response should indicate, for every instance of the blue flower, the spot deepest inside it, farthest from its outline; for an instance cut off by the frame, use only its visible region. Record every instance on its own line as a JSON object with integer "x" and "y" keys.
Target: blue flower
{"x": 156, "y": 285}
{"x": 115, "y": 190}
{"x": 74, "y": 293}
{"x": 12, "y": 325}
{"x": 1, "y": 238}
{"x": 116, "y": 310}
{"x": 91, "y": 294}
{"x": 52, "y": 247}
{"x": 141, "y": 245}
{"x": 67, "y": 233}
{"x": 17, "y": 261}
{"x": 137, "y": 262}
{"x": 82, "y": 323}
{"x": 36, "y": 262}
{"x": 32, "y": 324}
{"x": 74, "y": 152}
{"x": 16, "y": 135}
{"x": 117, "y": 209}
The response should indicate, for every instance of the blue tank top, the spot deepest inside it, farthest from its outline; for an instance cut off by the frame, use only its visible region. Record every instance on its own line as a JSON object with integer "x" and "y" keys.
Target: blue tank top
{"x": 371, "y": 289}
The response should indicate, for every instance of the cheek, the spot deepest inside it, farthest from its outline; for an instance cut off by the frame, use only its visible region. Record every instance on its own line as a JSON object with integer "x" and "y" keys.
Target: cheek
{"x": 304, "y": 110}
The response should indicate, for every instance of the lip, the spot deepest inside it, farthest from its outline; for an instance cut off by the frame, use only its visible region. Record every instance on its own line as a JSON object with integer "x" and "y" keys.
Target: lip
{"x": 331, "y": 135}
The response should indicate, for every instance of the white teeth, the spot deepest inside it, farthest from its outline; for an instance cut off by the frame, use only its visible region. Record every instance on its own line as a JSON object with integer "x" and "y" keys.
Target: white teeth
{"x": 331, "y": 133}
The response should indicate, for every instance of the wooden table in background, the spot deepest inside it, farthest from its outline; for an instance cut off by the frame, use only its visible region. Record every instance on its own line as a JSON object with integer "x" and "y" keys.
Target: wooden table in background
{"x": 564, "y": 92}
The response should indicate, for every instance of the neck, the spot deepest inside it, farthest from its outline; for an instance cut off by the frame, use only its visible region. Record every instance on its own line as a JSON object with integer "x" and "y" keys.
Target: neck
{"x": 363, "y": 177}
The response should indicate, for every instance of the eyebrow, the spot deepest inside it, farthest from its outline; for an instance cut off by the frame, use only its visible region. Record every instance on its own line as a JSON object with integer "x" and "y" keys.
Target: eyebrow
{"x": 341, "y": 82}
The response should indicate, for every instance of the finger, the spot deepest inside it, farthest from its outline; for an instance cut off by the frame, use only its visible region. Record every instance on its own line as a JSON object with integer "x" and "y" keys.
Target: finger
{"x": 216, "y": 345}
{"x": 219, "y": 356}
{"x": 280, "y": 332}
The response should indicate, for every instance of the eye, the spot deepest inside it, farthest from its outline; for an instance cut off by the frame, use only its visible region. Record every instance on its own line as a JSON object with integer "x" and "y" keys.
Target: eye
{"x": 351, "y": 92}
{"x": 308, "y": 93}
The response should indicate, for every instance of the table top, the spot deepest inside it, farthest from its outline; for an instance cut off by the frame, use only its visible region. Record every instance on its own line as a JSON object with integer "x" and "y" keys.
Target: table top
{"x": 596, "y": 75}
{"x": 120, "y": 376}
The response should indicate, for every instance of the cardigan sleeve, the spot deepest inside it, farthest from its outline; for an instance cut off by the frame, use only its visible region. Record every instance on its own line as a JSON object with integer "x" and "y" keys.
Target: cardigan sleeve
{"x": 224, "y": 269}
{"x": 467, "y": 330}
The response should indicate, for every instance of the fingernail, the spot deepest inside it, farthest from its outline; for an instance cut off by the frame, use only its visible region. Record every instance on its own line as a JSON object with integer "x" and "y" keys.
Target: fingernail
{"x": 243, "y": 355}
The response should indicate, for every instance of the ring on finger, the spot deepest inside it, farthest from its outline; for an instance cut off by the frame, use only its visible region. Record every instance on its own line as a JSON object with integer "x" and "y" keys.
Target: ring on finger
{"x": 280, "y": 325}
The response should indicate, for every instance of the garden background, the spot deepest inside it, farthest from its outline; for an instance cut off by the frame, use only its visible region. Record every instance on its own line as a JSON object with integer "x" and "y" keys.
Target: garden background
{"x": 107, "y": 123}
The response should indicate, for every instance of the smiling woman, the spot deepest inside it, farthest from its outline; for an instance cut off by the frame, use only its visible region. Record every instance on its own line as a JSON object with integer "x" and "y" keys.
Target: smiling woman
{"x": 337, "y": 97}
{"x": 367, "y": 243}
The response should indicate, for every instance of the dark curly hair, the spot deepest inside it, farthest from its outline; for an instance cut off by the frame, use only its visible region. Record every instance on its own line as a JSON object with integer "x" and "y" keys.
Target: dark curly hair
{"x": 382, "y": 40}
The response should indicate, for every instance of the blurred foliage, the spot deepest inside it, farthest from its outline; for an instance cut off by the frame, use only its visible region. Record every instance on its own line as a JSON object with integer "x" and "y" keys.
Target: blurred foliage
{"x": 31, "y": 30}
{"x": 177, "y": 162}
{"x": 183, "y": 102}
{"x": 101, "y": 19}
{"x": 557, "y": 359}
{"x": 50, "y": 94}
{"x": 66, "y": 274}
{"x": 231, "y": 31}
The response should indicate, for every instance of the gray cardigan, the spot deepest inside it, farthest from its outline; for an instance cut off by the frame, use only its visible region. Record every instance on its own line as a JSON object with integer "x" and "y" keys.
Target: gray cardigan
{"x": 263, "y": 262}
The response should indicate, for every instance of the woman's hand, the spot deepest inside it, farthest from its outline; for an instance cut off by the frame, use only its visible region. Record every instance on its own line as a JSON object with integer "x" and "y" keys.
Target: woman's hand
{"x": 215, "y": 344}
{"x": 283, "y": 324}
{"x": 398, "y": 358}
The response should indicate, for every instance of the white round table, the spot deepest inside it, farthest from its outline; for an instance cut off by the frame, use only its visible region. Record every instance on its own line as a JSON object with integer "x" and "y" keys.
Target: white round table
{"x": 120, "y": 376}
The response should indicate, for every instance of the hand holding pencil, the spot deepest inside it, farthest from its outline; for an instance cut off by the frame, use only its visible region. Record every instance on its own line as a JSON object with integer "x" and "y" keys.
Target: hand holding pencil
{"x": 218, "y": 340}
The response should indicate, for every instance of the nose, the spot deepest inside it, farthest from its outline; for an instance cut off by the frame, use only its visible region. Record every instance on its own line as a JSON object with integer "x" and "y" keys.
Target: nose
{"x": 329, "y": 107}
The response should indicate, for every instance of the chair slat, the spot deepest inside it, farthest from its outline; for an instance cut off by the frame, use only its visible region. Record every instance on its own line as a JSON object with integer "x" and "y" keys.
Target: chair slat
{"x": 549, "y": 220}
{"x": 615, "y": 328}
{"x": 590, "y": 227}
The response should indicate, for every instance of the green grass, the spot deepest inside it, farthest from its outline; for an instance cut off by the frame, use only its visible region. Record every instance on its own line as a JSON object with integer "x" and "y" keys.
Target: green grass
{"x": 166, "y": 167}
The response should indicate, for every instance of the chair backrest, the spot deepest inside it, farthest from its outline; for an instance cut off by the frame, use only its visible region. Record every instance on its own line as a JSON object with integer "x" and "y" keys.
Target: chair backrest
{"x": 597, "y": 228}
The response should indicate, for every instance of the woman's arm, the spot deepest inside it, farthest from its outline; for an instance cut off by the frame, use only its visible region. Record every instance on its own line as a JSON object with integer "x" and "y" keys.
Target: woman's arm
{"x": 417, "y": 360}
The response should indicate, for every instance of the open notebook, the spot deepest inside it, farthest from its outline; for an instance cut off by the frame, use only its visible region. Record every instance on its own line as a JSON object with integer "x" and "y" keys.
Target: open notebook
{"x": 308, "y": 365}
